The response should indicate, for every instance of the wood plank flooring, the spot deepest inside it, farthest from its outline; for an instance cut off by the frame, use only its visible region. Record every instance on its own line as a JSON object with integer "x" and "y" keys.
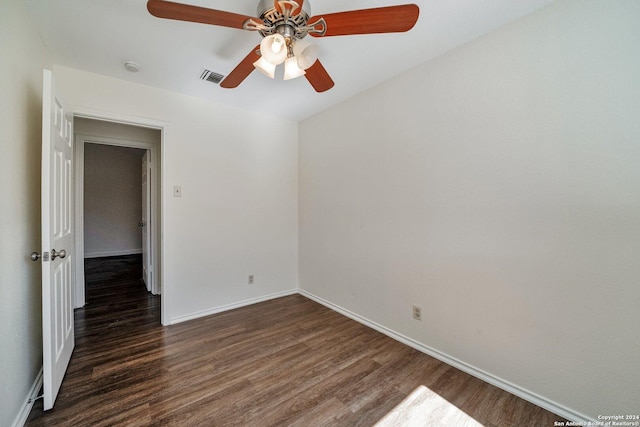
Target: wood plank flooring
{"x": 284, "y": 362}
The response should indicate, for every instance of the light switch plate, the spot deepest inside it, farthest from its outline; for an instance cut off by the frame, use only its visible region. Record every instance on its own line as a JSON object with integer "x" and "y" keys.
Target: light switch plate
{"x": 177, "y": 191}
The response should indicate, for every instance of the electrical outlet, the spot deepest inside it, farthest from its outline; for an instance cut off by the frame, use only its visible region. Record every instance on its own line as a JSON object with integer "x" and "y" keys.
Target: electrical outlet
{"x": 251, "y": 279}
{"x": 417, "y": 312}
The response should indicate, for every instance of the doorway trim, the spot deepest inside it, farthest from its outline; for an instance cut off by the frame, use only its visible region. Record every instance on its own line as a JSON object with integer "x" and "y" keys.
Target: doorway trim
{"x": 81, "y": 141}
{"x": 157, "y": 202}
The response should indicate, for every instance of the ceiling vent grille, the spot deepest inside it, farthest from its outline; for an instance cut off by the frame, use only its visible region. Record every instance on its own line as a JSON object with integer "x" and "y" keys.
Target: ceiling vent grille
{"x": 211, "y": 76}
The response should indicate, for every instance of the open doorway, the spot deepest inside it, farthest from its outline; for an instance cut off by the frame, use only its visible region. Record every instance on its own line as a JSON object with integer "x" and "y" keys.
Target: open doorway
{"x": 117, "y": 198}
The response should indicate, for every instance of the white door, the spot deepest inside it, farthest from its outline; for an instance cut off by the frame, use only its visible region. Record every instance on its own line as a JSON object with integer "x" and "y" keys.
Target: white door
{"x": 57, "y": 240}
{"x": 147, "y": 271}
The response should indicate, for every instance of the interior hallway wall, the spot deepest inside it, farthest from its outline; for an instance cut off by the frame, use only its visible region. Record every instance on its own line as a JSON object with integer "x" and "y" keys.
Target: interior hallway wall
{"x": 112, "y": 200}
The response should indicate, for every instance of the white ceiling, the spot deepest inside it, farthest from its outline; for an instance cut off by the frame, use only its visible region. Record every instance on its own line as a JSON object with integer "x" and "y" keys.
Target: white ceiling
{"x": 100, "y": 35}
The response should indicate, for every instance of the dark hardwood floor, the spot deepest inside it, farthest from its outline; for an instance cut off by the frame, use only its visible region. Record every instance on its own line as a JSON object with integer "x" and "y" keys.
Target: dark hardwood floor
{"x": 284, "y": 362}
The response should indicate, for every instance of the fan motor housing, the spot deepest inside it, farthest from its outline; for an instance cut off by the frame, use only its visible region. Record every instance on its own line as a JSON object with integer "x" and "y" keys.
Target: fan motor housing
{"x": 268, "y": 13}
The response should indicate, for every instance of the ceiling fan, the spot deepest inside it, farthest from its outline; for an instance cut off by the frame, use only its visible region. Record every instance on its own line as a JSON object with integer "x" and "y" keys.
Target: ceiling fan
{"x": 283, "y": 25}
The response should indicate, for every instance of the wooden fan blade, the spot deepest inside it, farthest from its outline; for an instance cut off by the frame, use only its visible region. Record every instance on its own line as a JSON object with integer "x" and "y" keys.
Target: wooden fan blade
{"x": 318, "y": 77}
{"x": 185, "y": 12}
{"x": 242, "y": 70}
{"x": 390, "y": 19}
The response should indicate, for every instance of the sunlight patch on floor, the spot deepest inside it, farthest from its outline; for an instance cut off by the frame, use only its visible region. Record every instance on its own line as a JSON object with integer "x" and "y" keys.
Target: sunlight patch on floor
{"x": 422, "y": 408}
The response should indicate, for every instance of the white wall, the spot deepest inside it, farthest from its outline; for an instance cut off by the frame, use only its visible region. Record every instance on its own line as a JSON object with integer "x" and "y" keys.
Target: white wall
{"x": 112, "y": 200}
{"x": 238, "y": 211}
{"x": 113, "y": 130}
{"x": 23, "y": 58}
{"x": 497, "y": 187}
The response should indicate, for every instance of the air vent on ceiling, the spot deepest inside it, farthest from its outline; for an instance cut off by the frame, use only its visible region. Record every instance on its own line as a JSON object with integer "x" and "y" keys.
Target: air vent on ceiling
{"x": 211, "y": 76}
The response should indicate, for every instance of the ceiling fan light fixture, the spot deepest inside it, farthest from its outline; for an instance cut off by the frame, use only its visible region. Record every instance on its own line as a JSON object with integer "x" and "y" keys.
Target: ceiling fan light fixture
{"x": 283, "y": 24}
{"x": 265, "y": 67}
{"x": 291, "y": 69}
{"x": 274, "y": 49}
{"x": 306, "y": 53}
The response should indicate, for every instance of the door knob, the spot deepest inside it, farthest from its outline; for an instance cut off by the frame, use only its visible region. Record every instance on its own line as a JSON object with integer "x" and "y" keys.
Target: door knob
{"x": 60, "y": 254}
{"x": 35, "y": 256}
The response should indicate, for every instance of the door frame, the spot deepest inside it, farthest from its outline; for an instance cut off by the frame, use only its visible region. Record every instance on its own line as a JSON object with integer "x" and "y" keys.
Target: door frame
{"x": 147, "y": 273}
{"x": 157, "y": 201}
{"x": 80, "y": 141}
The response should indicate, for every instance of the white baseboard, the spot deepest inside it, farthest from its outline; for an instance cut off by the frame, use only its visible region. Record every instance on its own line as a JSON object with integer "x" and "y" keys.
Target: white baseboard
{"x": 112, "y": 253}
{"x": 22, "y": 416}
{"x": 525, "y": 394}
{"x": 227, "y": 307}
